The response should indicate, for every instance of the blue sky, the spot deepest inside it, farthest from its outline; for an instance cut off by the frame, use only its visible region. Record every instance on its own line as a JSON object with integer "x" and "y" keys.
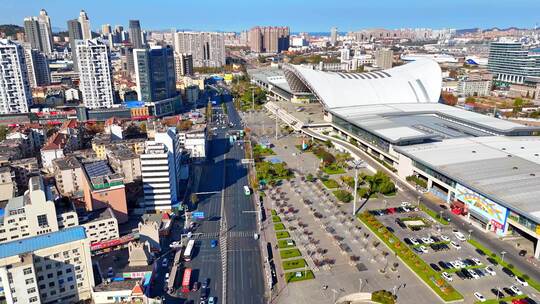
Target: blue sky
{"x": 306, "y": 15}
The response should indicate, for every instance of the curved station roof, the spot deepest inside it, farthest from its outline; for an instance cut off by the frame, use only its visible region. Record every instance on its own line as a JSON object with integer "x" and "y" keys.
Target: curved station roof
{"x": 415, "y": 82}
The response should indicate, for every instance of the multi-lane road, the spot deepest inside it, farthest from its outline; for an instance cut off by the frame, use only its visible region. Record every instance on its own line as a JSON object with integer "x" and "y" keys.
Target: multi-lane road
{"x": 221, "y": 183}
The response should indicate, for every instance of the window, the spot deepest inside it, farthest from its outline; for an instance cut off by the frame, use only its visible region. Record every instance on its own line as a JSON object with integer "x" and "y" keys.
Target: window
{"x": 68, "y": 270}
{"x": 53, "y": 292}
{"x": 62, "y": 289}
{"x": 56, "y": 255}
{"x": 42, "y": 286}
{"x": 31, "y": 290}
{"x": 42, "y": 220}
{"x": 40, "y": 278}
{"x": 59, "y": 273}
{"x": 29, "y": 281}
{"x": 51, "y": 284}
{"x": 33, "y": 299}
{"x": 70, "y": 279}
{"x": 49, "y": 276}
{"x": 27, "y": 270}
{"x": 48, "y": 266}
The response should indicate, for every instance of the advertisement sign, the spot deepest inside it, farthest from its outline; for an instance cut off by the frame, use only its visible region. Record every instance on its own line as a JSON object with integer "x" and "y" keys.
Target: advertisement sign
{"x": 198, "y": 215}
{"x": 490, "y": 210}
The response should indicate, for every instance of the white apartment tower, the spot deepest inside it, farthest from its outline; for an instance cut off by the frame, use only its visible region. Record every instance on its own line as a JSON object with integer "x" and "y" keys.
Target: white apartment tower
{"x": 45, "y": 31}
{"x": 15, "y": 94}
{"x": 95, "y": 71}
{"x": 85, "y": 25}
{"x": 160, "y": 165}
{"x": 207, "y": 48}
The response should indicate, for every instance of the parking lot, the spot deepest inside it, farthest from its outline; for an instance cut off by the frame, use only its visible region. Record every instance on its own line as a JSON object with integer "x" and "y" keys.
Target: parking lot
{"x": 447, "y": 250}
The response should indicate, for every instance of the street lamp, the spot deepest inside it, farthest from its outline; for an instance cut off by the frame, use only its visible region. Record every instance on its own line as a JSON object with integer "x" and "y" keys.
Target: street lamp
{"x": 440, "y": 214}
{"x": 502, "y": 257}
{"x": 418, "y": 201}
{"x": 357, "y": 165}
{"x": 385, "y": 203}
{"x": 470, "y": 231}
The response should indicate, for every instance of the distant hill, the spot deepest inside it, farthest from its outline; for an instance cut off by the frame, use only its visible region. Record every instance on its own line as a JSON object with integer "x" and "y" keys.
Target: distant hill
{"x": 11, "y": 29}
{"x": 466, "y": 31}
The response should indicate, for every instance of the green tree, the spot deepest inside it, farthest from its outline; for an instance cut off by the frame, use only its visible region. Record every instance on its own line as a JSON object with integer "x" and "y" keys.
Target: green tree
{"x": 3, "y": 132}
{"x": 518, "y": 105}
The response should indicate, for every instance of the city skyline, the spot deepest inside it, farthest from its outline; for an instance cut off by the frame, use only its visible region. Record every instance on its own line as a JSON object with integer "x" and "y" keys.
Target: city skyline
{"x": 298, "y": 15}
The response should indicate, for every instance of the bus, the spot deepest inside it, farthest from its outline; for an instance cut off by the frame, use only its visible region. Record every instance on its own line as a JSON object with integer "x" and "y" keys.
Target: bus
{"x": 186, "y": 279}
{"x": 189, "y": 250}
{"x": 246, "y": 190}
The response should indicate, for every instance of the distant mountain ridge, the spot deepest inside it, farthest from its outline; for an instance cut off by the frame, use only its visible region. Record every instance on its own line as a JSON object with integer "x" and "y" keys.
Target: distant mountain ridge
{"x": 11, "y": 29}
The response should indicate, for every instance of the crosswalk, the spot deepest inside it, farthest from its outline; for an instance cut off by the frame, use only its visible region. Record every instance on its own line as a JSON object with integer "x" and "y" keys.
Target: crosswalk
{"x": 214, "y": 235}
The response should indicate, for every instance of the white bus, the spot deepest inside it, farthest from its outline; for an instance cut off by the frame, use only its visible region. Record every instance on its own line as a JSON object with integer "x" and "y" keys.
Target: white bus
{"x": 246, "y": 190}
{"x": 189, "y": 250}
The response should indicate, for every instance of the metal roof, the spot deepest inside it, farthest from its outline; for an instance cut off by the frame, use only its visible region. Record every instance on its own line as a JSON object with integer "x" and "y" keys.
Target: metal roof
{"x": 417, "y": 82}
{"x": 32, "y": 244}
{"x": 502, "y": 168}
{"x": 409, "y": 121}
{"x": 97, "y": 168}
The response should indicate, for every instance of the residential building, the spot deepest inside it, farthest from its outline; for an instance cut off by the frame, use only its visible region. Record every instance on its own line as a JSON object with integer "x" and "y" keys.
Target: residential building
{"x": 127, "y": 62}
{"x": 23, "y": 169}
{"x": 54, "y": 267}
{"x": 106, "y": 30}
{"x": 467, "y": 87}
{"x": 102, "y": 142}
{"x": 38, "y": 32}
{"x": 149, "y": 231}
{"x": 510, "y": 62}
{"x": 191, "y": 93}
{"x": 96, "y": 82}
{"x": 103, "y": 188}
{"x": 269, "y": 39}
{"x": 37, "y": 67}
{"x": 333, "y": 36}
{"x": 135, "y": 34}
{"x": 207, "y": 48}
{"x": 183, "y": 64}
{"x": 86, "y": 30}
{"x": 384, "y": 58}
{"x": 8, "y": 188}
{"x": 29, "y": 215}
{"x": 68, "y": 173}
{"x": 100, "y": 225}
{"x": 15, "y": 93}
{"x": 194, "y": 140}
{"x": 74, "y": 34}
{"x": 123, "y": 160}
{"x": 160, "y": 166}
{"x": 58, "y": 145}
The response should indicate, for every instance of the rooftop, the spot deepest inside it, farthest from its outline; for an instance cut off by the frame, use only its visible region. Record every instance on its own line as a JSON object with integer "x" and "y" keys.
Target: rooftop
{"x": 67, "y": 163}
{"x": 35, "y": 243}
{"x": 416, "y": 121}
{"x": 505, "y": 169}
{"x": 118, "y": 261}
{"x": 95, "y": 215}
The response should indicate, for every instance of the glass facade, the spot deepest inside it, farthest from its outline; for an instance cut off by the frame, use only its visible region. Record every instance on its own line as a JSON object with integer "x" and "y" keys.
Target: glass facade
{"x": 361, "y": 133}
{"x": 529, "y": 224}
{"x": 435, "y": 174}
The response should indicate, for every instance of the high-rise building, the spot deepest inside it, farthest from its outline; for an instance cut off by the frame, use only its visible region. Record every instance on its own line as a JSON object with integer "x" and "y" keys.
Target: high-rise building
{"x": 54, "y": 267}
{"x": 95, "y": 72}
{"x": 127, "y": 61}
{"x": 38, "y": 32}
{"x": 269, "y": 39}
{"x": 38, "y": 68}
{"x": 183, "y": 64}
{"x": 75, "y": 33}
{"x": 135, "y": 34}
{"x": 333, "y": 36}
{"x": 106, "y": 29}
{"x": 15, "y": 93}
{"x": 160, "y": 166}
{"x": 85, "y": 25}
{"x": 207, "y": 48}
{"x": 510, "y": 62}
{"x": 155, "y": 73}
{"x": 384, "y": 58}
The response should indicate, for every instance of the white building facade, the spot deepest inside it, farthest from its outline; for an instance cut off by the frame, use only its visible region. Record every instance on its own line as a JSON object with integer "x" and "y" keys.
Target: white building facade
{"x": 95, "y": 71}
{"x": 15, "y": 93}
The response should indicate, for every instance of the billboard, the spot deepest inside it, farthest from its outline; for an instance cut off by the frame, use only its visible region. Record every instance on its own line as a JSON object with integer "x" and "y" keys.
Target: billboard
{"x": 492, "y": 211}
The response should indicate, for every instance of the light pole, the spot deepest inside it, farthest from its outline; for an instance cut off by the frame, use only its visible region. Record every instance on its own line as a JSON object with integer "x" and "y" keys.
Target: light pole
{"x": 418, "y": 201}
{"x": 502, "y": 257}
{"x": 470, "y": 231}
{"x": 360, "y": 288}
{"x": 440, "y": 214}
{"x": 357, "y": 165}
{"x": 385, "y": 202}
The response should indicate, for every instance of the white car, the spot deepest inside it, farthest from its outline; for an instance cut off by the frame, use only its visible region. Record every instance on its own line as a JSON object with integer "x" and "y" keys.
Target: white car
{"x": 165, "y": 262}
{"x": 460, "y": 236}
{"x": 447, "y": 277}
{"x": 406, "y": 209}
{"x": 425, "y": 240}
{"x": 445, "y": 238}
{"x": 490, "y": 271}
{"x": 521, "y": 281}
{"x": 516, "y": 290}
{"x": 423, "y": 249}
{"x": 476, "y": 261}
{"x": 480, "y": 297}
{"x": 405, "y": 204}
{"x": 414, "y": 241}
{"x": 473, "y": 274}
{"x": 166, "y": 278}
{"x": 455, "y": 245}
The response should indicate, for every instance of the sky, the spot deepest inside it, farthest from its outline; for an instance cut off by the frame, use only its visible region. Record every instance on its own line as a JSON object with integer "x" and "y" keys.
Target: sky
{"x": 305, "y": 15}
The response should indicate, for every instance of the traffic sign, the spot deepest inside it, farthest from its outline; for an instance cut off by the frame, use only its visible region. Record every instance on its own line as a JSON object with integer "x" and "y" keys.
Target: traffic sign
{"x": 246, "y": 161}
{"x": 197, "y": 214}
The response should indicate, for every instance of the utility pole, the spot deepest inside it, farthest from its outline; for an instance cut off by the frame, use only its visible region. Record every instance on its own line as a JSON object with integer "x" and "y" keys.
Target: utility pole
{"x": 276, "y": 114}
{"x": 357, "y": 165}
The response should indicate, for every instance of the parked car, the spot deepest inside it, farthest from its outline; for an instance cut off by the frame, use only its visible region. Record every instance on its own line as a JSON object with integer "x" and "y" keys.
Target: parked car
{"x": 213, "y": 243}
{"x": 445, "y": 238}
{"x": 446, "y": 276}
{"x": 521, "y": 281}
{"x": 522, "y": 253}
{"x": 508, "y": 272}
{"x": 455, "y": 245}
{"x": 479, "y": 296}
{"x": 407, "y": 241}
{"x": 473, "y": 273}
{"x": 205, "y": 283}
{"x": 459, "y": 236}
{"x": 490, "y": 271}
{"x": 196, "y": 286}
{"x": 414, "y": 241}
{"x": 165, "y": 262}
{"x": 211, "y": 300}
{"x": 509, "y": 291}
{"x": 435, "y": 267}
{"x": 423, "y": 249}
{"x": 515, "y": 289}
{"x": 497, "y": 292}
{"x": 476, "y": 261}
{"x": 444, "y": 265}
